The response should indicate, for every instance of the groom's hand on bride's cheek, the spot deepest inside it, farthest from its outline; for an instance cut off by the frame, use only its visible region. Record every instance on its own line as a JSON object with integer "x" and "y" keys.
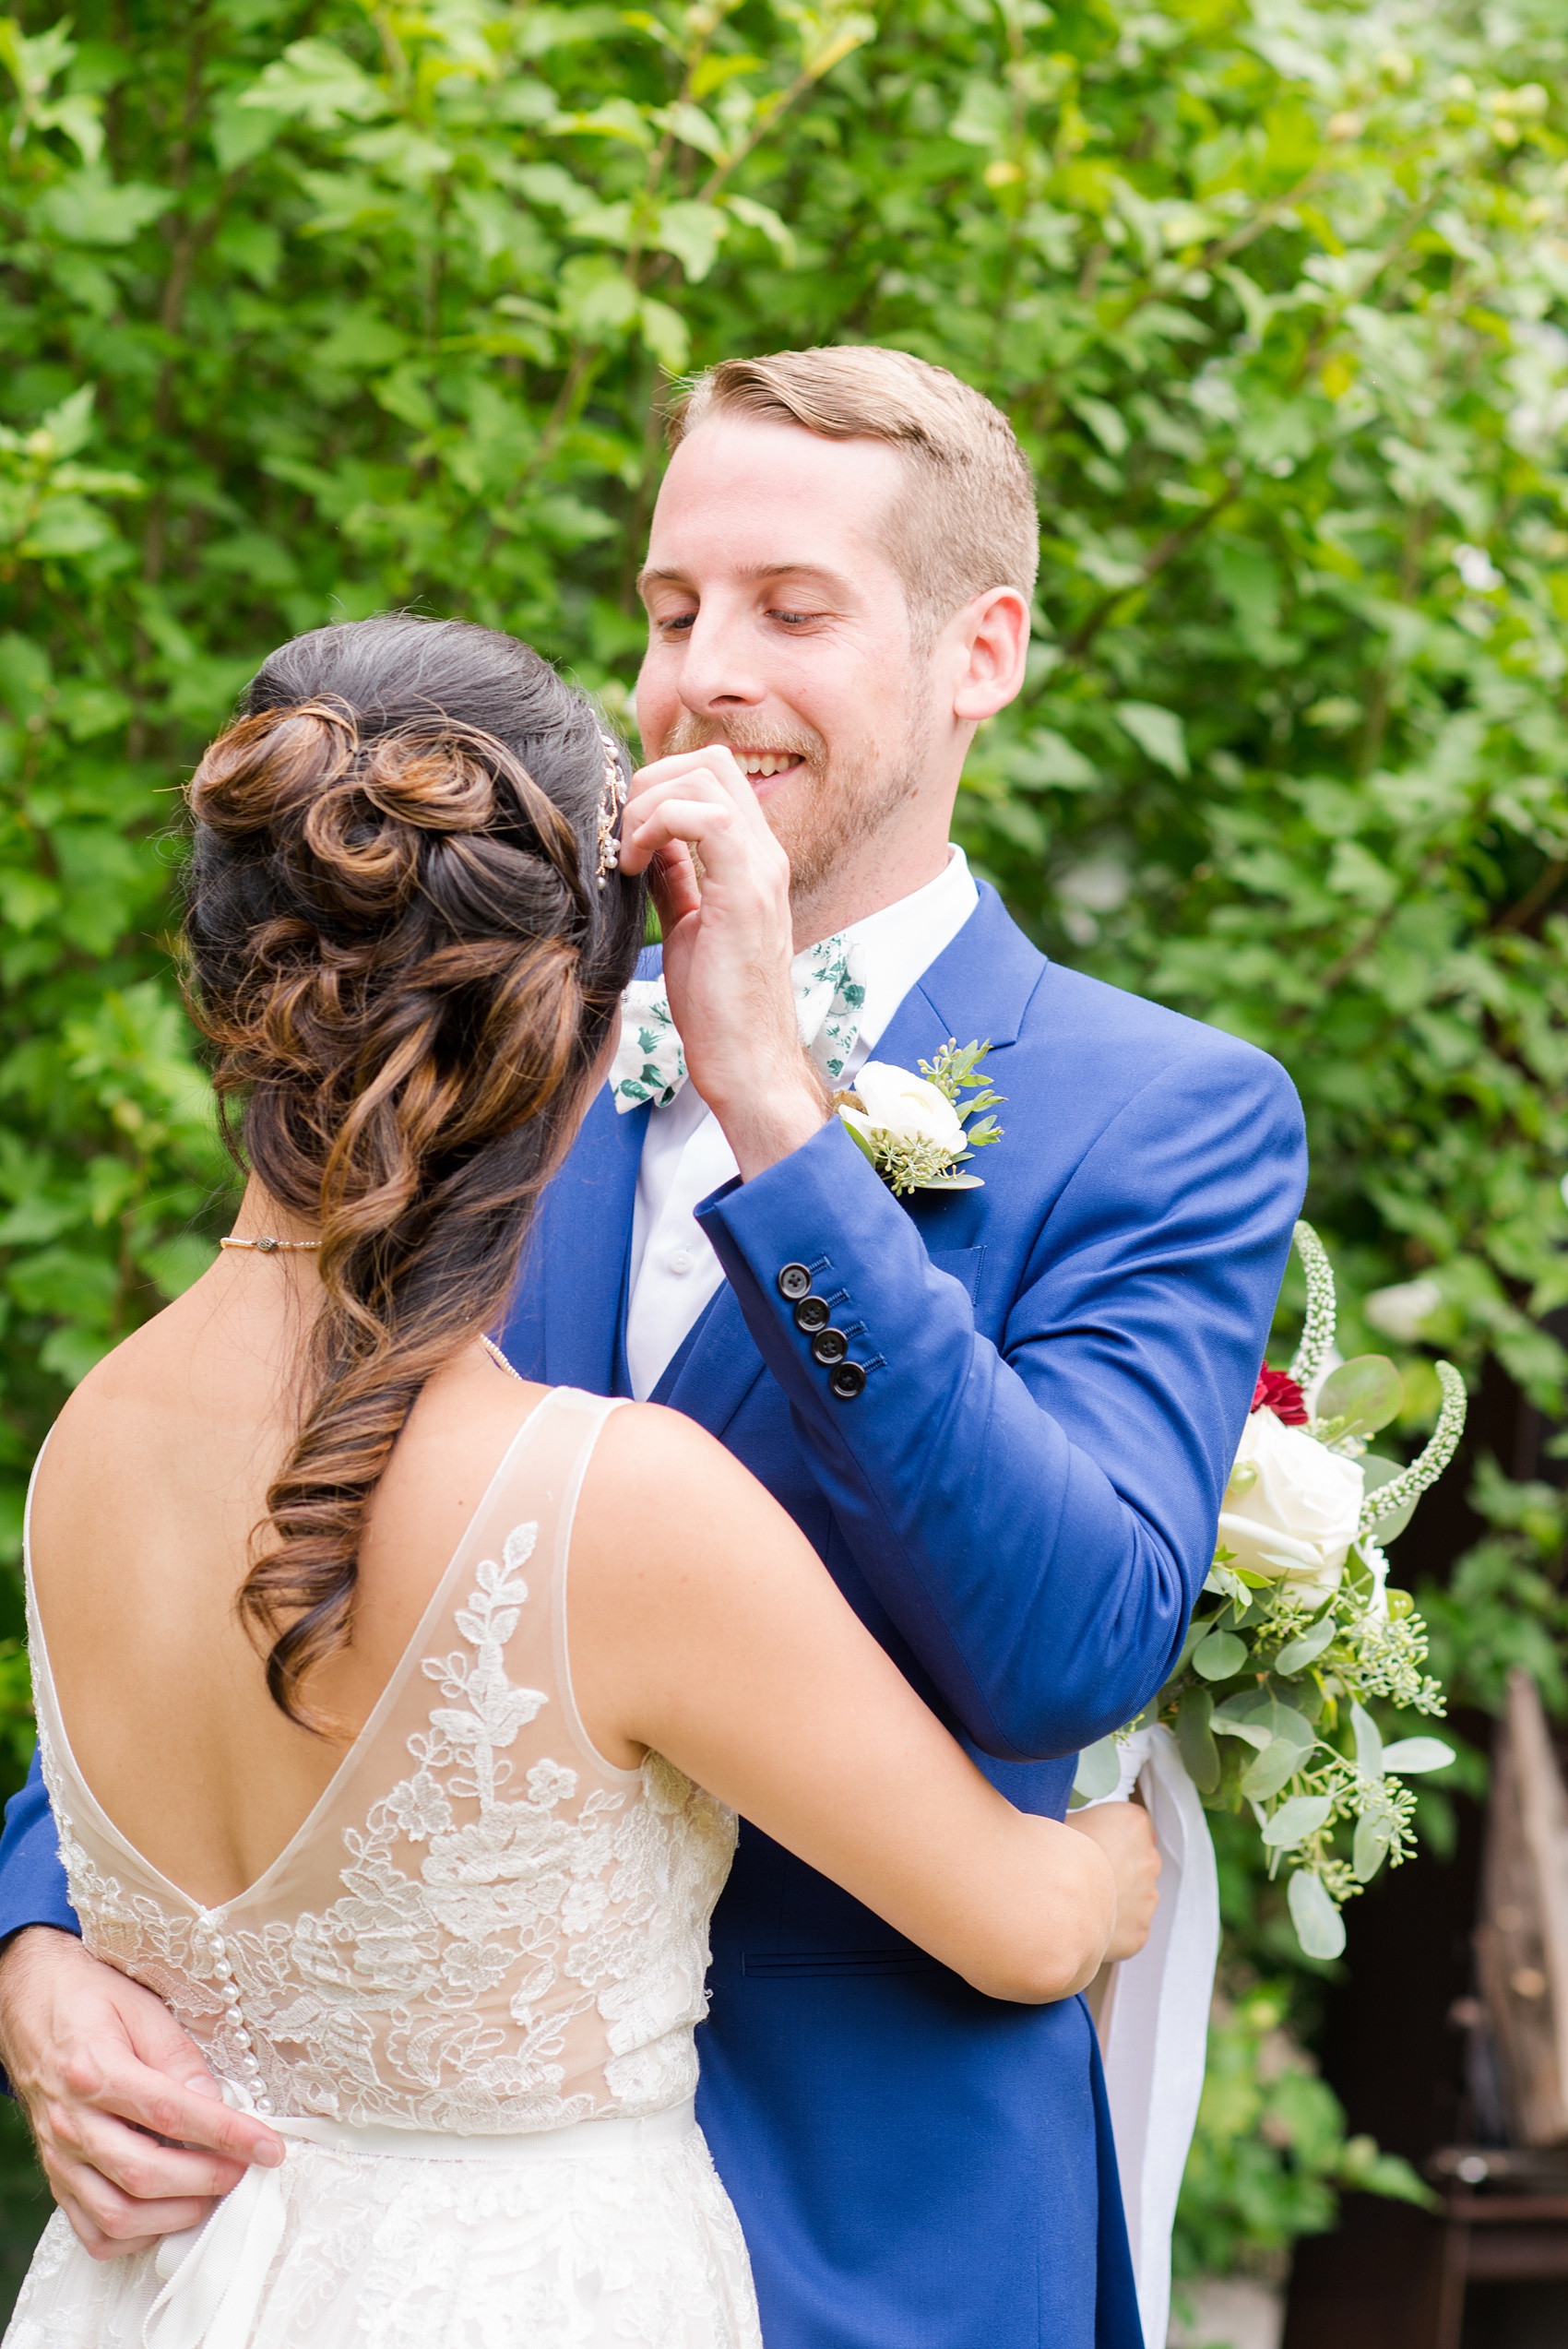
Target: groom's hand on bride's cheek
{"x": 104, "y": 2072}
{"x": 729, "y": 944}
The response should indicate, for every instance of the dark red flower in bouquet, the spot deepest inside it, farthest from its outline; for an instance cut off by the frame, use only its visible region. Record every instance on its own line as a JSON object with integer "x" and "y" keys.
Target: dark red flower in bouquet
{"x": 1278, "y": 1392}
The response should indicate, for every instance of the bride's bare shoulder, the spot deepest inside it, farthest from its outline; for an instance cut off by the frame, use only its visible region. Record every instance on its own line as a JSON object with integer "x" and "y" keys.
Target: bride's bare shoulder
{"x": 685, "y": 1494}
{"x": 111, "y": 1416}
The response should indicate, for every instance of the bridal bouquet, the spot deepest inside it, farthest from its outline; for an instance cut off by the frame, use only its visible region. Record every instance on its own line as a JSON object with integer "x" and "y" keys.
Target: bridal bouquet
{"x": 1298, "y": 1635}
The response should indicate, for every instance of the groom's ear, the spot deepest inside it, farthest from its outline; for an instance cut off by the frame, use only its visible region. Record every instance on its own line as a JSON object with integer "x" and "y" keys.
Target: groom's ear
{"x": 987, "y": 644}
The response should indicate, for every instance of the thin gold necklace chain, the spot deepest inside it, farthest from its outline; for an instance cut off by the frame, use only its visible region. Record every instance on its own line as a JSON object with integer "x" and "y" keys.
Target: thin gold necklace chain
{"x": 267, "y": 1246}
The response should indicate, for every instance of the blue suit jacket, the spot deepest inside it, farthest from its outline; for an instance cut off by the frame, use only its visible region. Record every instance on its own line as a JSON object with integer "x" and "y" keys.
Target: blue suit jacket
{"x": 1021, "y": 1506}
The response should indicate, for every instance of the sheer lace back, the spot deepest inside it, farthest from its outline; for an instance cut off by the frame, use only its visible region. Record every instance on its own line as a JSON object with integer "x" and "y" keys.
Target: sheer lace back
{"x": 483, "y": 1927}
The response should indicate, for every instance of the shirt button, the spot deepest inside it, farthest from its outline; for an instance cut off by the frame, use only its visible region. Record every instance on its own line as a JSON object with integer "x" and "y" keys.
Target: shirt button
{"x": 680, "y": 1260}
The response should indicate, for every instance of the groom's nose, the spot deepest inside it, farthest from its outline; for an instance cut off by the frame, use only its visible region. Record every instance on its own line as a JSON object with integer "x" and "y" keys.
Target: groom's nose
{"x": 719, "y": 669}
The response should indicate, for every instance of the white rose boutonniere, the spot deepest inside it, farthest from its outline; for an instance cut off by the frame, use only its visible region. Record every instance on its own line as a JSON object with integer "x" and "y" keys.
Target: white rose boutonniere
{"x": 914, "y": 1129}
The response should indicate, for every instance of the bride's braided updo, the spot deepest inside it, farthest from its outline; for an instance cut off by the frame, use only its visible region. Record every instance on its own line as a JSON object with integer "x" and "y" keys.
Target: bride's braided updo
{"x": 407, "y": 961}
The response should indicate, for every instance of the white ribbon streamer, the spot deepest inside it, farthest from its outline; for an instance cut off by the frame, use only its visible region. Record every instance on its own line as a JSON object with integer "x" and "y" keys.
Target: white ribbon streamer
{"x": 1154, "y": 2021}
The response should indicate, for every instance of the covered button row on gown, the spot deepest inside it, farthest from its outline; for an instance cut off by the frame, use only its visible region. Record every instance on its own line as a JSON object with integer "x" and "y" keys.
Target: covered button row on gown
{"x": 234, "y": 2015}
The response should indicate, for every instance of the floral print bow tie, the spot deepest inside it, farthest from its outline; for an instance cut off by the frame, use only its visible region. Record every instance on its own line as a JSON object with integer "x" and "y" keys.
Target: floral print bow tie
{"x": 829, "y": 994}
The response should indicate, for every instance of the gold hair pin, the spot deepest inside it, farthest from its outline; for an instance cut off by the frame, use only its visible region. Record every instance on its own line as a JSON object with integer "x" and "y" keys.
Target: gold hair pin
{"x": 610, "y": 808}
{"x": 267, "y": 1247}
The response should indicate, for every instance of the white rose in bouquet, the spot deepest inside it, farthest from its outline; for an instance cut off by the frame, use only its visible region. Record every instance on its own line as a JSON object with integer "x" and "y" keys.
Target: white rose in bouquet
{"x": 1294, "y": 1516}
{"x": 910, "y": 1108}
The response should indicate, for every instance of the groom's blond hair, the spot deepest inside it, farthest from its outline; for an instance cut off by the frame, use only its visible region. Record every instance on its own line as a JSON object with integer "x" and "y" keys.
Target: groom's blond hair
{"x": 967, "y": 520}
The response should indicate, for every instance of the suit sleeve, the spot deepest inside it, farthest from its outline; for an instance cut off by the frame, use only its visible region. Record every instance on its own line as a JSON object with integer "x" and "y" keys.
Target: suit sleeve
{"x": 1037, "y": 1515}
{"x": 32, "y": 1878}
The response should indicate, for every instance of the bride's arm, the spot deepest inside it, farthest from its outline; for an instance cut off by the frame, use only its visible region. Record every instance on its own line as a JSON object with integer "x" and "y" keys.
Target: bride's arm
{"x": 713, "y": 1633}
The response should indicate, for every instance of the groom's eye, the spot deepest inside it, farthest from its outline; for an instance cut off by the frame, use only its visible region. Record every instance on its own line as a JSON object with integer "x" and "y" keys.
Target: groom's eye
{"x": 796, "y": 619}
{"x": 677, "y": 623}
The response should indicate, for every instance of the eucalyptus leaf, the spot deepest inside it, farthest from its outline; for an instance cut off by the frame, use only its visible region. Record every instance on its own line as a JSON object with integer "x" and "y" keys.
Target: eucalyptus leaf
{"x": 1369, "y": 1848}
{"x": 1258, "y": 1739}
{"x": 1220, "y": 1657}
{"x": 1296, "y": 1820}
{"x": 1369, "y": 1742}
{"x": 1320, "y": 1929}
{"x": 1410, "y": 1756}
{"x": 1274, "y": 1767}
{"x": 1194, "y": 1739}
{"x": 1361, "y": 1397}
{"x": 1307, "y": 1647}
{"x": 1100, "y": 1769}
{"x": 1377, "y": 1473}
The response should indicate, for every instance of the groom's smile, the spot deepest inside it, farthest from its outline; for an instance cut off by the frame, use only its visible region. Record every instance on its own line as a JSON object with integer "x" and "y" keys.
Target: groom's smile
{"x": 779, "y": 626}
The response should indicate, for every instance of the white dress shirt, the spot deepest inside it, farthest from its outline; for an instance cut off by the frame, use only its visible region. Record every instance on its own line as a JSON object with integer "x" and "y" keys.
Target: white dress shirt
{"x": 685, "y": 1156}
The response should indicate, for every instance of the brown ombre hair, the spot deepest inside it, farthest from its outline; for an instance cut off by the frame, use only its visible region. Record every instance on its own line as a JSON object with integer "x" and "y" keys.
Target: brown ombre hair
{"x": 408, "y": 967}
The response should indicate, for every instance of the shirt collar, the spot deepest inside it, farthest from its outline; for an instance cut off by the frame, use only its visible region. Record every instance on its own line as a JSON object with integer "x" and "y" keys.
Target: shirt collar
{"x": 898, "y": 944}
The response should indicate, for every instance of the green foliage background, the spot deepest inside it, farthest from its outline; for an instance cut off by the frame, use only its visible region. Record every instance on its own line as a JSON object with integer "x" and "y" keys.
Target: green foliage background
{"x": 309, "y": 307}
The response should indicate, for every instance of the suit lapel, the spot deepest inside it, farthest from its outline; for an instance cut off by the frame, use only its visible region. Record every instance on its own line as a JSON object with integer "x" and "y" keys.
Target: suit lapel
{"x": 978, "y": 989}
{"x": 565, "y": 1323}
{"x": 716, "y": 1367}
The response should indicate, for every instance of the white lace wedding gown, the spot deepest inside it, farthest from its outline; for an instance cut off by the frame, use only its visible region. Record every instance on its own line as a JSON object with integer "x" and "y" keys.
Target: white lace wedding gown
{"x": 465, "y": 1992}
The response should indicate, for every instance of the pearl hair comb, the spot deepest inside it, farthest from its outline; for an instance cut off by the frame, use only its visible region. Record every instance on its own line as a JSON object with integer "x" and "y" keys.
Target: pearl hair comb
{"x": 610, "y": 808}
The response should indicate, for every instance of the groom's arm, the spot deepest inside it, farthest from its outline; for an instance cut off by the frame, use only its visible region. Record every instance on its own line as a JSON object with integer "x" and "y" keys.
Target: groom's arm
{"x": 1038, "y": 1516}
{"x": 32, "y": 1880}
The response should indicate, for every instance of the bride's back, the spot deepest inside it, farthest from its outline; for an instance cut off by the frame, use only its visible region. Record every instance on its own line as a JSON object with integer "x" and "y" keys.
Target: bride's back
{"x": 141, "y": 1531}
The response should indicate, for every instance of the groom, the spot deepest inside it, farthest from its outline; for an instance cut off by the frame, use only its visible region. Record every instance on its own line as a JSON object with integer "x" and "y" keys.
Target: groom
{"x": 1004, "y": 1415}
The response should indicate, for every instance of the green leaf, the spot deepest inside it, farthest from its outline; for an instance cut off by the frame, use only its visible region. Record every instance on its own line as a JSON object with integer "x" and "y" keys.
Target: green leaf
{"x": 315, "y": 81}
{"x": 87, "y": 207}
{"x": 1368, "y": 1743}
{"x": 1320, "y": 1929}
{"x": 1295, "y": 1821}
{"x": 693, "y": 232}
{"x": 664, "y": 331}
{"x": 1100, "y": 1769}
{"x": 762, "y": 215}
{"x": 1361, "y": 1397}
{"x": 1409, "y": 1757}
{"x": 1369, "y": 1848}
{"x": 1195, "y": 1739}
{"x": 1377, "y": 1472}
{"x": 1273, "y": 1768}
{"x": 1159, "y": 734}
{"x": 1220, "y": 1657}
{"x": 1307, "y": 1647}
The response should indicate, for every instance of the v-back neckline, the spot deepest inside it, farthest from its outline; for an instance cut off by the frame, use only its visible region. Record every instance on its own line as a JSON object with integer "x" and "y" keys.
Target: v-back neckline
{"x": 39, "y": 1650}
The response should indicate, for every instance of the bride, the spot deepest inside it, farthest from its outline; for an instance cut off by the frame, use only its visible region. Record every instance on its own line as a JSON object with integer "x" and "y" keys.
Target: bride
{"x": 395, "y": 1712}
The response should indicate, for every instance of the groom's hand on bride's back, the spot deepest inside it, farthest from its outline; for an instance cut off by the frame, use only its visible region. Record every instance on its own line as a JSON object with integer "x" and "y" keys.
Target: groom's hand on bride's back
{"x": 1126, "y": 1835}
{"x": 104, "y": 2072}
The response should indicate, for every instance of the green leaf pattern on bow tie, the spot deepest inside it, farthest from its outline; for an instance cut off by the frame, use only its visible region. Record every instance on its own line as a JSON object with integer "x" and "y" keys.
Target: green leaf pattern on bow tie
{"x": 829, "y": 997}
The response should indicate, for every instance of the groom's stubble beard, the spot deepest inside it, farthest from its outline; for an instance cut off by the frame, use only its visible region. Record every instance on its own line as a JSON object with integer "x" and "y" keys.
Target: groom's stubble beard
{"x": 844, "y": 800}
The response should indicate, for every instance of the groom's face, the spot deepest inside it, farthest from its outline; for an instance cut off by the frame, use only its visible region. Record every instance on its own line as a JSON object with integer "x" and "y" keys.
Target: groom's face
{"x": 778, "y": 625}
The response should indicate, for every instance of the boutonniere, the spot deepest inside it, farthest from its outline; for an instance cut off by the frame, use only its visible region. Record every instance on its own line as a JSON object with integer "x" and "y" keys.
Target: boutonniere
{"x": 915, "y": 1130}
